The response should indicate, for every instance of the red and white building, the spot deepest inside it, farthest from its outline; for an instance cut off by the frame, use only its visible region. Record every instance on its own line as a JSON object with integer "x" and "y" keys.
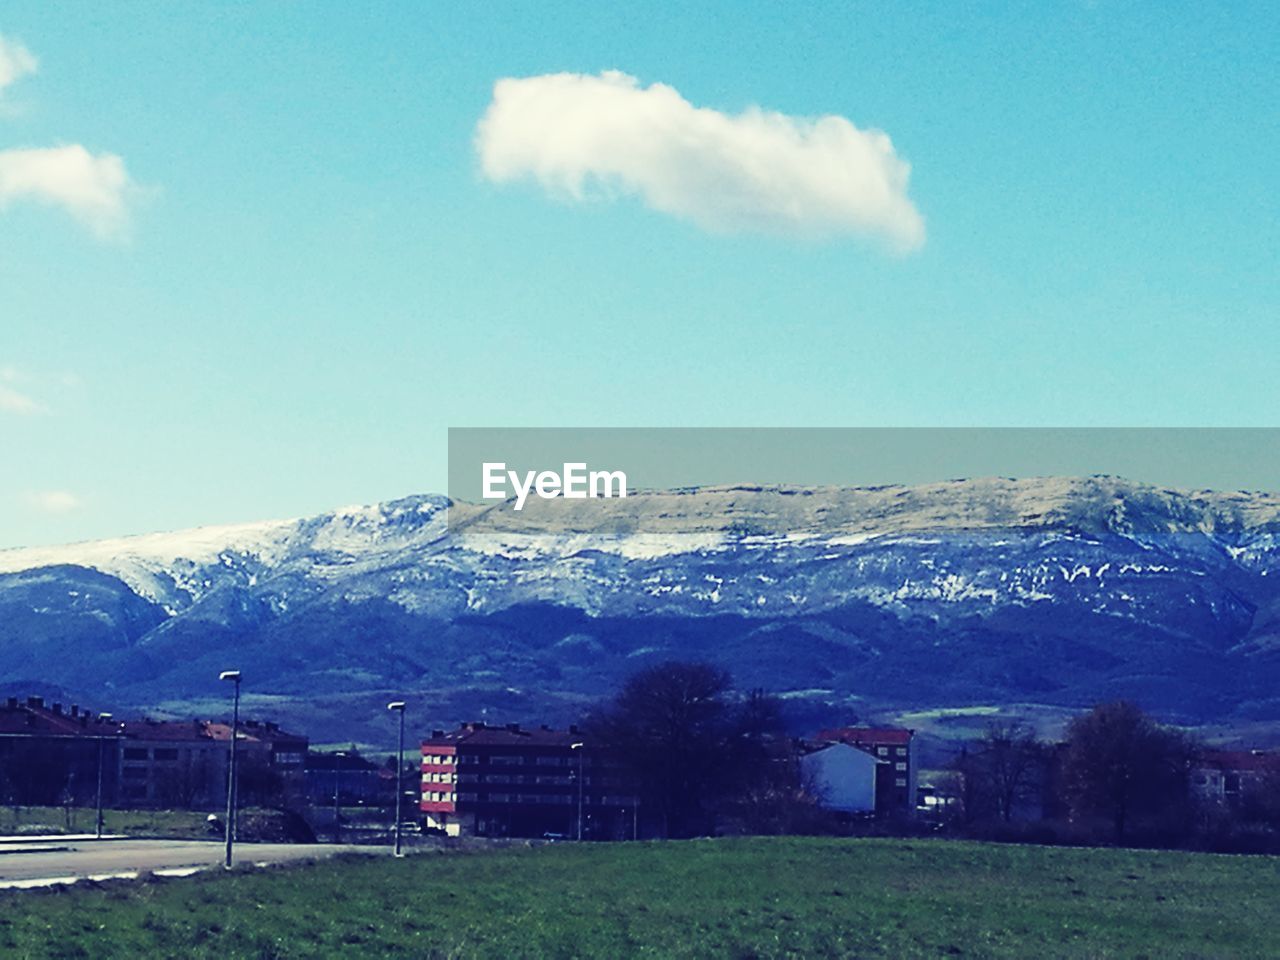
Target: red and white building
{"x": 507, "y": 781}
{"x": 895, "y": 774}
{"x": 1234, "y": 777}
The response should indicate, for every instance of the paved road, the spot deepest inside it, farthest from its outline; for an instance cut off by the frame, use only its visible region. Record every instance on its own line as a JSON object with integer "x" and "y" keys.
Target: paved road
{"x": 52, "y": 859}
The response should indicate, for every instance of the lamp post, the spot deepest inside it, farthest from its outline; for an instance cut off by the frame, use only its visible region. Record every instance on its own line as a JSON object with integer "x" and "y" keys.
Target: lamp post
{"x": 580, "y": 748}
{"x": 337, "y": 780}
{"x": 234, "y": 677}
{"x": 398, "y": 707}
{"x": 102, "y": 718}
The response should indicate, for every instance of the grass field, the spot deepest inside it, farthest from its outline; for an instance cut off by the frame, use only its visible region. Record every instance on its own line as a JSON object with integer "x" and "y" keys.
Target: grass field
{"x": 187, "y": 824}
{"x": 718, "y": 898}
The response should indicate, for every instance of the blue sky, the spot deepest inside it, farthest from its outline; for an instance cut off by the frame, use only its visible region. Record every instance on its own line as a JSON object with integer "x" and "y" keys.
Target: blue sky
{"x": 309, "y": 275}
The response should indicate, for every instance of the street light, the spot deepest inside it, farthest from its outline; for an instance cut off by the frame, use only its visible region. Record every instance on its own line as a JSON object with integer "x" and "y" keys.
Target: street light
{"x": 102, "y": 718}
{"x": 398, "y": 706}
{"x": 234, "y": 677}
{"x": 337, "y": 780}
{"x": 581, "y": 751}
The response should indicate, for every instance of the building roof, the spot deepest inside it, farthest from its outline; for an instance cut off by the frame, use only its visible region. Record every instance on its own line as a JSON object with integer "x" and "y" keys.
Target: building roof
{"x": 33, "y": 717}
{"x": 868, "y": 736}
{"x": 181, "y": 731}
{"x": 811, "y": 748}
{"x": 479, "y": 734}
{"x": 1242, "y": 761}
{"x": 262, "y": 731}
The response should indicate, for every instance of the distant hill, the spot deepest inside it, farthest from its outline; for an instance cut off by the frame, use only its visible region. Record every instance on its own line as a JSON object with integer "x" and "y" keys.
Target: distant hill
{"x": 1054, "y": 591}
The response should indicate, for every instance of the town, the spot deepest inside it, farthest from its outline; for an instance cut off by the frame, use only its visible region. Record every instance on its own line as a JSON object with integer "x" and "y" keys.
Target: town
{"x": 676, "y": 753}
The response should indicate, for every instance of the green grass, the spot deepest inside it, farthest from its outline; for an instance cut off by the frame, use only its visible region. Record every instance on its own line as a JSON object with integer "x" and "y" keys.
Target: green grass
{"x": 181, "y": 824}
{"x": 714, "y": 898}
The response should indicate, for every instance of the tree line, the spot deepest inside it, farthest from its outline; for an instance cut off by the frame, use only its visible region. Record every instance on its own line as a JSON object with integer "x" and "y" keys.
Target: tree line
{"x": 1117, "y": 775}
{"x": 705, "y": 758}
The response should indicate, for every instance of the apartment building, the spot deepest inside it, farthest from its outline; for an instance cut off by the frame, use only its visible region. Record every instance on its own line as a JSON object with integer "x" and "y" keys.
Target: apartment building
{"x": 507, "y": 781}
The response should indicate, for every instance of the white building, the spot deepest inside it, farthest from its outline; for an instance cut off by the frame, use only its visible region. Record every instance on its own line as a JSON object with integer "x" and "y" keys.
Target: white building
{"x": 842, "y": 777}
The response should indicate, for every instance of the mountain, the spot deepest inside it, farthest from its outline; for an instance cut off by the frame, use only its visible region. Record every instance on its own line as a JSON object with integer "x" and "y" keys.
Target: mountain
{"x": 1048, "y": 591}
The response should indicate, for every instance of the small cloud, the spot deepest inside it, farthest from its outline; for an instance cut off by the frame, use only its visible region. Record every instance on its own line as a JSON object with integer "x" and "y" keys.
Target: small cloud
{"x": 16, "y": 61}
{"x": 93, "y": 188}
{"x": 758, "y": 170}
{"x": 53, "y": 501}
{"x": 13, "y": 401}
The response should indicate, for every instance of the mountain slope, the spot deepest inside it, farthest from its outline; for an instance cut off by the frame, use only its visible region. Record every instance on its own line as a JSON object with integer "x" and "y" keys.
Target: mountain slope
{"x": 1054, "y": 591}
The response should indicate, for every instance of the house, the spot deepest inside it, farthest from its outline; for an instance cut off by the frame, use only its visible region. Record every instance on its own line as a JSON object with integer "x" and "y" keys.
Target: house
{"x": 841, "y": 777}
{"x": 49, "y": 755}
{"x": 507, "y": 781}
{"x": 896, "y": 774}
{"x": 183, "y": 763}
{"x": 170, "y": 763}
{"x": 1237, "y": 778}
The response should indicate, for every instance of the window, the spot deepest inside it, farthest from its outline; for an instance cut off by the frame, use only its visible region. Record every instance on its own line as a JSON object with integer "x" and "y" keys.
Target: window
{"x": 900, "y": 766}
{"x": 135, "y": 773}
{"x": 166, "y": 753}
{"x": 900, "y": 781}
{"x": 883, "y": 751}
{"x": 135, "y": 753}
{"x": 499, "y": 798}
{"x": 902, "y": 751}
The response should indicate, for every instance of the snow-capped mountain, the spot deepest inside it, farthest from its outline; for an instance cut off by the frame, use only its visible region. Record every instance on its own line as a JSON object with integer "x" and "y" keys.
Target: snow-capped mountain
{"x": 1054, "y": 591}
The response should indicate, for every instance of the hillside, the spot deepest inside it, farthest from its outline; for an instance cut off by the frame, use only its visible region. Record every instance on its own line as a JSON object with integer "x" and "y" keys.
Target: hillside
{"x": 1043, "y": 591}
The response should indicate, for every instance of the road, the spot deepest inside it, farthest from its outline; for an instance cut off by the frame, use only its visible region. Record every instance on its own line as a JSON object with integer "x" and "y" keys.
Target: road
{"x": 49, "y": 860}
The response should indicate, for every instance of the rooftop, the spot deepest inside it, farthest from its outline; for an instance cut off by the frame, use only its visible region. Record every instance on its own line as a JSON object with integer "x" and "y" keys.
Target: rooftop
{"x": 479, "y": 734}
{"x": 868, "y": 736}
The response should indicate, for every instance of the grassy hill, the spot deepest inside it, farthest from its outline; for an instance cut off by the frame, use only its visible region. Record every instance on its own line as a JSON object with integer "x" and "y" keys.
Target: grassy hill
{"x": 718, "y": 898}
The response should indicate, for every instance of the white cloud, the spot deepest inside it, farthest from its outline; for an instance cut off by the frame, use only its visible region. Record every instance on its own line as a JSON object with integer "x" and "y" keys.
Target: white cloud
{"x": 93, "y": 188}
{"x": 13, "y": 401}
{"x": 53, "y": 501}
{"x": 16, "y": 61}
{"x": 757, "y": 170}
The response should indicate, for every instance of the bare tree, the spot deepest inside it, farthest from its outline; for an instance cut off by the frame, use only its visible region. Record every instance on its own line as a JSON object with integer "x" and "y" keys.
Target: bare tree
{"x": 673, "y": 727}
{"x": 1009, "y": 761}
{"x": 1121, "y": 764}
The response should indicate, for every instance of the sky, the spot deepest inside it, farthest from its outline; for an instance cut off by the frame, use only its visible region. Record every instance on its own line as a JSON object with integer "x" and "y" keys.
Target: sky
{"x": 256, "y": 259}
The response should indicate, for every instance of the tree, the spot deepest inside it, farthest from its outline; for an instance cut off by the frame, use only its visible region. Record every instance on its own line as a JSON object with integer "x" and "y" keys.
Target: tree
{"x": 1002, "y": 769}
{"x": 1121, "y": 764}
{"x": 683, "y": 739}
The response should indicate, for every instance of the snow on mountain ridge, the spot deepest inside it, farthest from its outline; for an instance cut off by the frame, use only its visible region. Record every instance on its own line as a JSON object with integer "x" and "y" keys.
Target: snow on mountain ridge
{"x": 177, "y": 568}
